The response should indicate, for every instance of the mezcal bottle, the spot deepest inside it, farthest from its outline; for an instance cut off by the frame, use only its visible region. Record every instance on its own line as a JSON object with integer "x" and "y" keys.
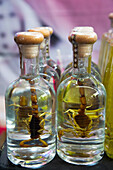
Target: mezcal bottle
{"x": 85, "y": 29}
{"x": 68, "y": 72}
{"x": 81, "y": 108}
{"x": 29, "y": 114}
{"x": 46, "y": 71}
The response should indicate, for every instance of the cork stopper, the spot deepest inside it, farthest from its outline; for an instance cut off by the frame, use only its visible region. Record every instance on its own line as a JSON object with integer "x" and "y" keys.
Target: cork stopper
{"x": 28, "y": 38}
{"x": 29, "y": 51}
{"x": 83, "y": 37}
{"x": 110, "y": 15}
{"x": 43, "y": 30}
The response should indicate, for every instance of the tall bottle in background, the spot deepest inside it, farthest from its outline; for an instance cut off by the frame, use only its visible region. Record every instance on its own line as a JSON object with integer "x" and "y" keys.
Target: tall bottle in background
{"x": 46, "y": 71}
{"x": 68, "y": 72}
{"x": 104, "y": 48}
{"x": 108, "y": 82}
{"x": 31, "y": 139}
{"x": 81, "y": 108}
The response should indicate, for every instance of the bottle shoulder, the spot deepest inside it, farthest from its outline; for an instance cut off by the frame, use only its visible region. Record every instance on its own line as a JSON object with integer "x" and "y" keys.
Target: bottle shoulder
{"x": 89, "y": 82}
{"x": 72, "y": 90}
{"x": 23, "y": 85}
{"x": 68, "y": 73}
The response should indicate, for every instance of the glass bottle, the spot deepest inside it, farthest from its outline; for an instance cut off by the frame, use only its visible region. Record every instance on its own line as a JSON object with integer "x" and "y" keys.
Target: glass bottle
{"x": 81, "y": 108}
{"x": 29, "y": 110}
{"x": 105, "y": 47}
{"x": 108, "y": 81}
{"x": 94, "y": 66}
{"x": 67, "y": 73}
{"x": 46, "y": 71}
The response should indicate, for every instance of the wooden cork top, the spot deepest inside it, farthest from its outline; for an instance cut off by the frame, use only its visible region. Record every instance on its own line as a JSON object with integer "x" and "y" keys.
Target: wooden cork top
{"x": 83, "y": 37}
{"x": 110, "y": 15}
{"x": 28, "y": 38}
{"x": 43, "y": 30}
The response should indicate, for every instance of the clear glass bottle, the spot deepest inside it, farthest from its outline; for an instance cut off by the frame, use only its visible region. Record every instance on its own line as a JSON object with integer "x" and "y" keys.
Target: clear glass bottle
{"x": 105, "y": 47}
{"x": 68, "y": 72}
{"x": 45, "y": 70}
{"x": 30, "y": 114}
{"x": 94, "y": 66}
{"x": 81, "y": 108}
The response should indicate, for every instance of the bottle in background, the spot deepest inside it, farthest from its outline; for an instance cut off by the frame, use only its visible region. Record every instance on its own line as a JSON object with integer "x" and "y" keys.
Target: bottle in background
{"x": 108, "y": 82}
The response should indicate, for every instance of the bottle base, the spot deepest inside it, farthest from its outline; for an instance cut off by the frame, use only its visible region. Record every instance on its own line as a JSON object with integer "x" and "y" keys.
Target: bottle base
{"x": 80, "y": 154}
{"x": 33, "y": 157}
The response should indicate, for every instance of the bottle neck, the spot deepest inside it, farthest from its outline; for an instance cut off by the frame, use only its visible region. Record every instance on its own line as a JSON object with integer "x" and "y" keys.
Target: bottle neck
{"x": 48, "y": 48}
{"x": 82, "y": 58}
{"x": 29, "y": 65}
{"x": 42, "y": 60}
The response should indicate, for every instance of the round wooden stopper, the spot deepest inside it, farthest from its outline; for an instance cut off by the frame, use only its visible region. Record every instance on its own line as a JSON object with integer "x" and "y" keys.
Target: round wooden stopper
{"x": 83, "y": 37}
{"x": 28, "y": 38}
{"x": 43, "y": 30}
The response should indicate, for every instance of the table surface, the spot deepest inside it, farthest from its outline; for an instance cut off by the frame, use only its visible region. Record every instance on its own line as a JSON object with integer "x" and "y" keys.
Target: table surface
{"x": 105, "y": 164}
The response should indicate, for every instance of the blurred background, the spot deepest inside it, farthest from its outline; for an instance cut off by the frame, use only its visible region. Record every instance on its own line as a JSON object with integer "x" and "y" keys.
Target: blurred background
{"x": 62, "y": 16}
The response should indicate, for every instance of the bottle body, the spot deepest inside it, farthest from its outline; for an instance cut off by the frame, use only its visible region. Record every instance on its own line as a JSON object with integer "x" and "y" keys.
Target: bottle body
{"x": 30, "y": 122}
{"x": 80, "y": 131}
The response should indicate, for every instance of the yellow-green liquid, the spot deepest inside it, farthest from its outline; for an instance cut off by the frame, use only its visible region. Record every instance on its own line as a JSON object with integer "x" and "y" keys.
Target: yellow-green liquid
{"x": 80, "y": 138}
{"x": 108, "y": 82}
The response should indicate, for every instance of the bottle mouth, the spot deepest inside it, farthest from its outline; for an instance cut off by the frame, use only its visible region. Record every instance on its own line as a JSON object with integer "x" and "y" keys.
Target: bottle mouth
{"x": 29, "y": 51}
